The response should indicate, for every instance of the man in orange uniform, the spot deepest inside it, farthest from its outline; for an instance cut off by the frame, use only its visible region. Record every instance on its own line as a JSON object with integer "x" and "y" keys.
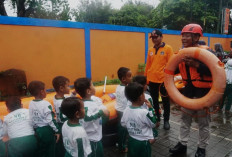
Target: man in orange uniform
{"x": 198, "y": 81}
{"x": 157, "y": 59}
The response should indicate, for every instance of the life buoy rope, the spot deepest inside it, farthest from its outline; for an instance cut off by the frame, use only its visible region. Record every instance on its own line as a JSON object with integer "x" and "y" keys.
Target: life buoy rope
{"x": 216, "y": 68}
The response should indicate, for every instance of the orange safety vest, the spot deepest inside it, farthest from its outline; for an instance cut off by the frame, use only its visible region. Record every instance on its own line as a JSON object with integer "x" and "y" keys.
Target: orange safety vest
{"x": 197, "y": 80}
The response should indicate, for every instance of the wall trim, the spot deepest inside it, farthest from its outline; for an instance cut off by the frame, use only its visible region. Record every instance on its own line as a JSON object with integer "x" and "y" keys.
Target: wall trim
{"x": 6, "y": 20}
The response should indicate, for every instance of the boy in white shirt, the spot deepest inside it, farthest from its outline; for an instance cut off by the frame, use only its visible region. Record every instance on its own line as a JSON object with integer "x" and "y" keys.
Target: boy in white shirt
{"x": 61, "y": 86}
{"x": 42, "y": 117}
{"x": 17, "y": 126}
{"x": 125, "y": 76}
{"x": 143, "y": 81}
{"x": 75, "y": 139}
{"x": 94, "y": 111}
{"x": 138, "y": 121}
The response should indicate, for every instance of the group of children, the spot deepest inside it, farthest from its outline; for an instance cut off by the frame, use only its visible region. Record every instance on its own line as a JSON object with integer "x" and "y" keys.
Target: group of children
{"x": 136, "y": 115}
{"x": 77, "y": 128}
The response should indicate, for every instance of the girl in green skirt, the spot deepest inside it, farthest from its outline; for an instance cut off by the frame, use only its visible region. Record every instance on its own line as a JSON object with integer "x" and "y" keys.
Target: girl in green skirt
{"x": 17, "y": 125}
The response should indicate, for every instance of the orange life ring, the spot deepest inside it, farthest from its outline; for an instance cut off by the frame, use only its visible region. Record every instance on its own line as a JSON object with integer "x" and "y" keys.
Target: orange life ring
{"x": 218, "y": 74}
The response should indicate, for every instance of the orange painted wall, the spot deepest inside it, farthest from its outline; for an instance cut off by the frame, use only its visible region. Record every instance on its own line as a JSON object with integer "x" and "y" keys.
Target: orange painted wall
{"x": 227, "y": 44}
{"x": 43, "y": 52}
{"x": 112, "y": 49}
{"x": 173, "y": 40}
{"x": 46, "y": 52}
{"x": 224, "y": 41}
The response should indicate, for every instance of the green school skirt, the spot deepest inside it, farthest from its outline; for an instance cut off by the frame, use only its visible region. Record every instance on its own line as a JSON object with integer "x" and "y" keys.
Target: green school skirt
{"x": 138, "y": 148}
{"x": 46, "y": 141}
{"x": 2, "y": 149}
{"x": 25, "y": 146}
{"x": 122, "y": 133}
{"x": 60, "y": 150}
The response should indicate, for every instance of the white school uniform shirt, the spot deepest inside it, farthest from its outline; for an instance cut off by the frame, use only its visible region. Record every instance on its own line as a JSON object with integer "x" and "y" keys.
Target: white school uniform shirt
{"x": 93, "y": 128}
{"x": 18, "y": 124}
{"x": 138, "y": 122}
{"x": 1, "y": 129}
{"x": 41, "y": 114}
{"x": 75, "y": 140}
{"x": 97, "y": 100}
{"x": 228, "y": 71}
{"x": 121, "y": 100}
{"x": 60, "y": 118}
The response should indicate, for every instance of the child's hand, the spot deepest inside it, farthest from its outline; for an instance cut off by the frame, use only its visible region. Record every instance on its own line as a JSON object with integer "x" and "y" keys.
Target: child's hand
{"x": 148, "y": 104}
{"x": 5, "y": 138}
{"x": 106, "y": 112}
{"x": 157, "y": 125}
{"x": 57, "y": 137}
{"x": 152, "y": 141}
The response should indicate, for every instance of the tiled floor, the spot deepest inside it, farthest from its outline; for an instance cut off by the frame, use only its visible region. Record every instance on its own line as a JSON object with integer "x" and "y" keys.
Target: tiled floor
{"x": 220, "y": 144}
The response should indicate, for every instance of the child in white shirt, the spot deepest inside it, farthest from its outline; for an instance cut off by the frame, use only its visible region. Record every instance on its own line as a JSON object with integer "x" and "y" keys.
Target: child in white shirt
{"x": 94, "y": 111}
{"x": 43, "y": 121}
{"x": 125, "y": 77}
{"x": 17, "y": 126}
{"x": 75, "y": 139}
{"x": 138, "y": 121}
{"x": 61, "y": 86}
{"x": 228, "y": 91}
{"x": 143, "y": 81}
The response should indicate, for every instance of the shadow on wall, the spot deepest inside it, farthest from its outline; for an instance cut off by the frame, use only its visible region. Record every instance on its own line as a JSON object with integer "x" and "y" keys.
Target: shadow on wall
{"x": 13, "y": 82}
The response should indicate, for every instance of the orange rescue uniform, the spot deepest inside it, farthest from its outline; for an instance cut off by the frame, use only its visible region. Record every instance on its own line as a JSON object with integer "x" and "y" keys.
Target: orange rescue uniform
{"x": 197, "y": 80}
{"x": 156, "y": 62}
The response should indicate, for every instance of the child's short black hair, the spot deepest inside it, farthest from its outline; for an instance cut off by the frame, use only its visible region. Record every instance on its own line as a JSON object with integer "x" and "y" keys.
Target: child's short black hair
{"x": 13, "y": 103}
{"x": 140, "y": 79}
{"x": 35, "y": 87}
{"x": 133, "y": 91}
{"x": 70, "y": 106}
{"x": 81, "y": 85}
{"x": 122, "y": 71}
{"x": 59, "y": 81}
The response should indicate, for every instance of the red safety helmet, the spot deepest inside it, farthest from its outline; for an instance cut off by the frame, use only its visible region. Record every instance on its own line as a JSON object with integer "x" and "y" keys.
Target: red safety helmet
{"x": 192, "y": 28}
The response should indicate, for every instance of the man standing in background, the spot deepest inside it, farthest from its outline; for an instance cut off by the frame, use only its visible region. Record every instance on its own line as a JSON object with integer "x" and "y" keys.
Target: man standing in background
{"x": 157, "y": 58}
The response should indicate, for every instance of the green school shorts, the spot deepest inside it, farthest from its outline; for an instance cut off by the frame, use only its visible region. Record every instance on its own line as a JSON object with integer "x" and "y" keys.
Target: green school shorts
{"x": 25, "y": 146}
{"x": 2, "y": 149}
{"x": 138, "y": 148}
{"x": 97, "y": 149}
{"x": 46, "y": 141}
